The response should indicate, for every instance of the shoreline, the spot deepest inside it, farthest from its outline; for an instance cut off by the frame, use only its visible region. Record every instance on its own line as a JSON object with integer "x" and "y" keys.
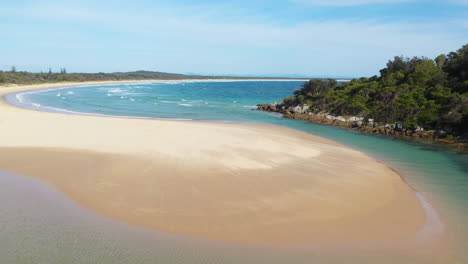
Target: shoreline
{"x": 13, "y": 99}
{"x": 243, "y": 162}
{"x": 421, "y": 137}
{"x": 87, "y": 83}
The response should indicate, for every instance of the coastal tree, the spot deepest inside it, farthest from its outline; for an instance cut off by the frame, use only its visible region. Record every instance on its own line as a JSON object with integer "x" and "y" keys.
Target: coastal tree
{"x": 316, "y": 87}
{"x": 457, "y": 64}
{"x": 457, "y": 68}
{"x": 440, "y": 60}
{"x": 2, "y": 77}
{"x": 415, "y": 91}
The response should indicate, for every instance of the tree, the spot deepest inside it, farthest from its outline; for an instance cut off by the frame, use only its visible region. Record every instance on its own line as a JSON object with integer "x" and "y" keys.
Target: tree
{"x": 2, "y": 77}
{"x": 457, "y": 64}
{"x": 399, "y": 63}
{"x": 316, "y": 87}
{"x": 440, "y": 61}
{"x": 424, "y": 73}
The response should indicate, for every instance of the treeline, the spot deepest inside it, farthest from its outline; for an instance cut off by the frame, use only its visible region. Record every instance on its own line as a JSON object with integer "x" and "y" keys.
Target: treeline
{"x": 417, "y": 91}
{"x": 21, "y": 77}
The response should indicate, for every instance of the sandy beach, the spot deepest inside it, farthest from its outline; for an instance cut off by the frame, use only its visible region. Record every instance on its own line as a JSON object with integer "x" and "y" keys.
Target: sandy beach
{"x": 243, "y": 183}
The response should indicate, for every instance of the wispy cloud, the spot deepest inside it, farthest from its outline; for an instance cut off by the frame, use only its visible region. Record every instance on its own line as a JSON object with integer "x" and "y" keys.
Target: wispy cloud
{"x": 182, "y": 24}
{"x": 347, "y": 2}
{"x": 175, "y": 38}
{"x": 460, "y": 2}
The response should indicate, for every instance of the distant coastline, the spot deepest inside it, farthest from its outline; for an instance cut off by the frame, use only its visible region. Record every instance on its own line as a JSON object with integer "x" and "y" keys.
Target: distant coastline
{"x": 14, "y": 77}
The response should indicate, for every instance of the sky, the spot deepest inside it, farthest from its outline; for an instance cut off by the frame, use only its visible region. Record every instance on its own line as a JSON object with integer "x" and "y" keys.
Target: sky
{"x": 314, "y": 38}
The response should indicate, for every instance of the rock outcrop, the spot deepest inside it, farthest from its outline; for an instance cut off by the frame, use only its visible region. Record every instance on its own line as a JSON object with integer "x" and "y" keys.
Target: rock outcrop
{"x": 303, "y": 112}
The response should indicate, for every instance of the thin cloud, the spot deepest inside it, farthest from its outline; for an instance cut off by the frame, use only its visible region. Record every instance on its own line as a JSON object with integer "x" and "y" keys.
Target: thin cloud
{"x": 347, "y": 3}
{"x": 177, "y": 40}
{"x": 337, "y": 3}
{"x": 460, "y": 2}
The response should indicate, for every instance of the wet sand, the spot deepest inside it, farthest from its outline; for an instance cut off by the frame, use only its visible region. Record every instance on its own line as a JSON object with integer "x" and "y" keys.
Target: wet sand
{"x": 243, "y": 183}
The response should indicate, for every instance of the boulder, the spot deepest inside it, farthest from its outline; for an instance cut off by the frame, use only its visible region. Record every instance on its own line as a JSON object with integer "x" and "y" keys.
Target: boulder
{"x": 419, "y": 129}
{"x": 355, "y": 119}
{"x": 300, "y": 109}
{"x": 340, "y": 118}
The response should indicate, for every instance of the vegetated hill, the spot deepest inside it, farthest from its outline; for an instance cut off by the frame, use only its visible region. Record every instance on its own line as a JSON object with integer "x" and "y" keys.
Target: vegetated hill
{"x": 417, "y": 91}
{"x": 21, "y": 77}
{"x": 154, "y": 75}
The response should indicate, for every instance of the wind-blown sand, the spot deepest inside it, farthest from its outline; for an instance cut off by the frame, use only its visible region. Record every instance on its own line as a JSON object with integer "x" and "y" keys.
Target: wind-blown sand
{"x": 242, "y": 183}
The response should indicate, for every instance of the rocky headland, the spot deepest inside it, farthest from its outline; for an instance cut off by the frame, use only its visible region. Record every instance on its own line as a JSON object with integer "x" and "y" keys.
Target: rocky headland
{"x": 366, "y": 125}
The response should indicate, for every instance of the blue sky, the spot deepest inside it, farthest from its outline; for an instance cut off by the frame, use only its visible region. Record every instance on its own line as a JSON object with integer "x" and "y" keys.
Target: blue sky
{"x": 346, "y": 38}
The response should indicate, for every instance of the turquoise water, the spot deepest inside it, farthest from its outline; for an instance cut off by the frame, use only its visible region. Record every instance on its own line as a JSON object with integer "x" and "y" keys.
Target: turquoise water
{"x": 221, "y": 101}
{"x": 441, "y": 174}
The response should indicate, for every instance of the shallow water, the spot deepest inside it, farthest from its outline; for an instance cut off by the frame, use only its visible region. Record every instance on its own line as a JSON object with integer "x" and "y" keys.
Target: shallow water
{"x": 40, "y": 228}
{"x": 39, "y": 225}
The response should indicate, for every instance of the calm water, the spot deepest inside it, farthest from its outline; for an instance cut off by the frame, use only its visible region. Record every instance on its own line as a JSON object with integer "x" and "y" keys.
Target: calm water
{"x": 439, "y": 173}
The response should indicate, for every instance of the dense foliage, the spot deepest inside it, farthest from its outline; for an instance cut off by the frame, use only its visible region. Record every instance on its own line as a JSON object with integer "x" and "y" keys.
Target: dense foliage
{"x": 20, "y": 77}
{"x": 413, "y": 91}
{"x": 17, "y": 77}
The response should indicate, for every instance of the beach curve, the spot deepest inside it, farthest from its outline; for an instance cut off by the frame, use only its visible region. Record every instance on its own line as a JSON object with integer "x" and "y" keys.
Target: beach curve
{"x": 241, "y": 183}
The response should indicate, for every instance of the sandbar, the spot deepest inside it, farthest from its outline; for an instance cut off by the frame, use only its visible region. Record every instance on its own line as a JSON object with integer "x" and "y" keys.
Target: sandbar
{"x": 255, "y": 184}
